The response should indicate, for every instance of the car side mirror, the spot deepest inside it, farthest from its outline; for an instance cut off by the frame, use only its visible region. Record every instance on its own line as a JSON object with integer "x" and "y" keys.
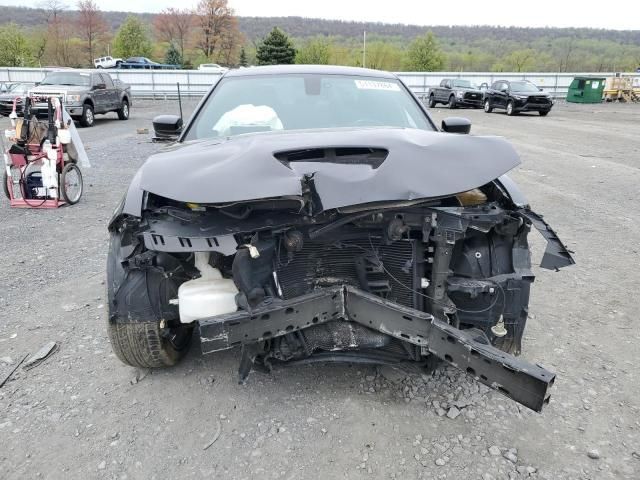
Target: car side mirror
{"x": 540, "y": 88}
{"x": 504, "y": 89}
{"x": 456, "y": 125}
{"x": 167, "y": 127}
{"x": 100, "y": 86}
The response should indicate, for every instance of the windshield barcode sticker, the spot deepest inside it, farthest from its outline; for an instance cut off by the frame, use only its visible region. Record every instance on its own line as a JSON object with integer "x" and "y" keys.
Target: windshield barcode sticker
{"x": 376, "y": 85}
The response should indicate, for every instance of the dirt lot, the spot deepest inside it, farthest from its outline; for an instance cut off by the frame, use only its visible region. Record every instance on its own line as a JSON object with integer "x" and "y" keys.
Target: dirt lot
{"x": 83, "y": 414}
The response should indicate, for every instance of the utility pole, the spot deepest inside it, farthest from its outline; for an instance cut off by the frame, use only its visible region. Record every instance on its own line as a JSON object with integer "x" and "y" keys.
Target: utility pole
{"x": 364, "y": 49}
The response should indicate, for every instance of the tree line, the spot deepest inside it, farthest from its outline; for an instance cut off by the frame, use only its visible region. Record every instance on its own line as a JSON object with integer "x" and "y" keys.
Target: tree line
{"x": 211, "y": 32}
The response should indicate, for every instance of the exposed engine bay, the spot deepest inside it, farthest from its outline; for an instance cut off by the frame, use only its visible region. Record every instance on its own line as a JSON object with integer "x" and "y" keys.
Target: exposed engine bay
{"x": 400, "y": 283}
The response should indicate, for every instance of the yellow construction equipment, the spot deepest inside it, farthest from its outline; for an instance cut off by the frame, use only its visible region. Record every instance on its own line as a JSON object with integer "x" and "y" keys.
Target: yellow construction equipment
{"x": 623, "y": 89}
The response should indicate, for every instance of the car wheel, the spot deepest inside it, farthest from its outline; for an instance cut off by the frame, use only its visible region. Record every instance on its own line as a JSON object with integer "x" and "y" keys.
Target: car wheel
{"x": 88, "y": 117}
{"x": 123, "y": 112}
{"x": 452, "y": 102}
{"x": 148, "y": 344}
{"x": 487, "y": 106}
{"x": 71, "y": 183}
{"x": 99, "y": 66}
{"x": 118, "y": 64}
{"x": 510, "y": 110}
{"x": 432, "y": 101}
{"x": 544, "y": 113}
{"x": 142, "y": 326}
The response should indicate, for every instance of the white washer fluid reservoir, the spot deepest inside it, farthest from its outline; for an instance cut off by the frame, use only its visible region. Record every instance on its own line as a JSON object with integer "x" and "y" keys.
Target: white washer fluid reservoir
{"x": 208, "y": 295}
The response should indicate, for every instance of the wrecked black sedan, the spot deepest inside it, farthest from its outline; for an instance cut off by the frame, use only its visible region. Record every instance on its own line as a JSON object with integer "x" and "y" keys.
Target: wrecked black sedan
{"x": 318, "y": 214}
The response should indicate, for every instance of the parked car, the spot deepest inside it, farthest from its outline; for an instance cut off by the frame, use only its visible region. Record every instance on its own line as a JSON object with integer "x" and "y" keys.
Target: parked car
{"x": 212, "y": 68}
{"x": 15, "y": 91}
{"x": 85, "y": 94}
{"x": 314, "y": 213}
{"x": 517, "y": 96}
{"x": 107, "y": 62}
{"x": 456, "y": 92}
{"x": 4, "y": 86}
{"x": 145, "y": 63}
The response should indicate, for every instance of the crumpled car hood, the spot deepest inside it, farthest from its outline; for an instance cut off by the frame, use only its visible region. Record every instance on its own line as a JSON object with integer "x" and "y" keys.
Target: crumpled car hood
{"x": 419, "y": 164}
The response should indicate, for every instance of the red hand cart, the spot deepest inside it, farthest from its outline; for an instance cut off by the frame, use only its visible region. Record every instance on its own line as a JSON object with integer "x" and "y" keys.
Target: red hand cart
{"x": 38, "y": 171}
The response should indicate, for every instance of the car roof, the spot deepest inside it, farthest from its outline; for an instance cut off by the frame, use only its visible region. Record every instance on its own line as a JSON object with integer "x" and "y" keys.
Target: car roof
{"x": 309, "y": 69}
{"x": 70, "y": 70}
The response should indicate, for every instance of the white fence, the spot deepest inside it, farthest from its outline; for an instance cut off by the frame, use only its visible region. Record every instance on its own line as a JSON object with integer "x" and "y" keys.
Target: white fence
{"x": 162, "y": 83}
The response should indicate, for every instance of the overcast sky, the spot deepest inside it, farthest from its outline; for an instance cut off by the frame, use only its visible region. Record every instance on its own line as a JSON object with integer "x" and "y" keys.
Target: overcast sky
{"x": 523, "y": 13}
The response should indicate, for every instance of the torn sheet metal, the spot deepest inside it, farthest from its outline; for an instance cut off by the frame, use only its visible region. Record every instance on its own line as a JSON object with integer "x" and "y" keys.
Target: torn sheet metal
{"x": 556, "y": 255}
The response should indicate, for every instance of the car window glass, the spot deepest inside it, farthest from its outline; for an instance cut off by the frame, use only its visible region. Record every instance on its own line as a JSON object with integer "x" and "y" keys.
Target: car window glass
{"x": 523, "y": 86}
{"x": 67, "y": 78}
{"x": 106, "y": 79}
{"x": 464, "y": 84}
{"x": 293, "y": 102}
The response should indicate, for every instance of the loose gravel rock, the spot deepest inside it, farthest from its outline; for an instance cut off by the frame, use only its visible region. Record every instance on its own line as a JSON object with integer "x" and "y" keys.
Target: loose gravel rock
{"x": 58, "y": 420}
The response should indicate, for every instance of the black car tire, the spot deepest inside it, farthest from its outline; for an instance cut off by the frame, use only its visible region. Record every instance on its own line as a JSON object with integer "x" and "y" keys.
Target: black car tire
{"x": 88, "y": 116}
{"x": 99, "y": 66}
{"x": 452, "y": 102}
{"x": 138, "y": 304}
{"x": 544, "y": 113}
{"x": 487, "y": 106}
{"x": 145, "y": 345}
{"x": 510, "y": 108}
{"x": 123, "y": 111}
{"x": 432, "y": 101}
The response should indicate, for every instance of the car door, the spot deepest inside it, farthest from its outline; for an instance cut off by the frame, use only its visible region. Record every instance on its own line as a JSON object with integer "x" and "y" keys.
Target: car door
{"x": 443, "y": 92}
{"x": 111, "y": 95}
{"x": 98, "y": 93}
{"x": 500, "y": 100}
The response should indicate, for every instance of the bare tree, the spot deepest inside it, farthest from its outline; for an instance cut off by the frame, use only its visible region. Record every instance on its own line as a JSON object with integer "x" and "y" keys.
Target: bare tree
{"x": 215, "y": 18}
{"x": 174, "y": 25}
{"x": 229, "y": 45}
{"x": 91, "y": 25}
{"x": 567, "y": 46}
{"x": 53, "y": 9}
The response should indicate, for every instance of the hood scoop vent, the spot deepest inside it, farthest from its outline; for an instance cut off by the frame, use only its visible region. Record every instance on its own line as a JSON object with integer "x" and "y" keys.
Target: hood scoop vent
{"x": 373, "y": 157}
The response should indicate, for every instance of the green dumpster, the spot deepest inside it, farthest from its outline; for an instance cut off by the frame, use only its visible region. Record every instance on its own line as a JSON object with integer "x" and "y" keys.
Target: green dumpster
{"x": 586, "y": 90}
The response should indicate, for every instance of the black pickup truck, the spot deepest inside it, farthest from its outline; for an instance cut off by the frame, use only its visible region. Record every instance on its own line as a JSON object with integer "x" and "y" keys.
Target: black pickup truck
{"x": 456, "y": 92}
{"x": 84, "y": 94}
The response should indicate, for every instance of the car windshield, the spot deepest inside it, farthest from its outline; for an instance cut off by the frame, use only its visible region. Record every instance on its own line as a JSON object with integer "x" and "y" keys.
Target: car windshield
{"x": 67, "y": 78}
{"x": 294, "y": 102}
{"x": 19, "y": 88}
{"x": 523, "y": 87}
{"x": 464, "y": 84}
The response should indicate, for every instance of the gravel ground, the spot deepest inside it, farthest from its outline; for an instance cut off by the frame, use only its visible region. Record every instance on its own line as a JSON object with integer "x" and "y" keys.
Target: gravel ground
{"x": 83, "y": 414}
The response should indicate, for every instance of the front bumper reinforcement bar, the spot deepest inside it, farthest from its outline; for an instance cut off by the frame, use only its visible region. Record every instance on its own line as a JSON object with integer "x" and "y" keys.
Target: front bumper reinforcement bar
{"x": 467, "y": 350}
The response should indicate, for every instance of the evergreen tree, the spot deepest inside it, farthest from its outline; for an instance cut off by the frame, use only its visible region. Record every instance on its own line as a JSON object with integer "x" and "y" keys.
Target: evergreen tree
{"x": 424, "y": 55}
{"x": 243, "y": 58}
{"x": 132, "y": 39}
{"x": 276, "y": 49}
{"x": 173, "y": 56}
